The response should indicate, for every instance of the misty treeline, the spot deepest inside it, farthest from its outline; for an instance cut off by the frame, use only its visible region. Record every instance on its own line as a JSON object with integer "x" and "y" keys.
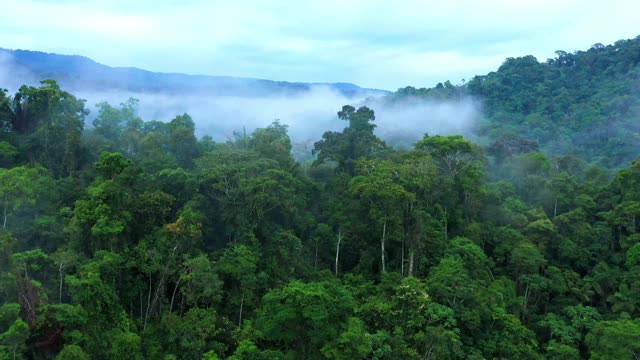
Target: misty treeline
{"x": 585, "y": 103}
{"x": 134, "y": 239}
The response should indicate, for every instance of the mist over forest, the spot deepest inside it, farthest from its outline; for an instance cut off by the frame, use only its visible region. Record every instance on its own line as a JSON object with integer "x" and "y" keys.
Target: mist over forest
{"x": 219, "y": 109}
{"x": 166, "y": 216}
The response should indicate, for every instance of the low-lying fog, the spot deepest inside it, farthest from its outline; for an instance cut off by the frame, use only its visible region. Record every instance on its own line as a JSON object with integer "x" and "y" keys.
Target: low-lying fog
{"x": 309, "y": 114}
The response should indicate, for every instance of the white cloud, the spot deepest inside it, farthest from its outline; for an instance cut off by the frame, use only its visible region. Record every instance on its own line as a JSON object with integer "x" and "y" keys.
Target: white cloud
{"x": 375, "y": 43}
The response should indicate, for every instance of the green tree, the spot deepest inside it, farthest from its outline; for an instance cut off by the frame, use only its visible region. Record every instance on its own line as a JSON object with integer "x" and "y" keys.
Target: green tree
{"x": 194, "y": 334}
{"x": 8, "y": 153}
{"x": 355, "y": 141}
{"x": 72, "y": 352}
{"x": 52, "y": 121}
{"x": 310, "y": 319}
{"x": 614, "y": 340}
{"x": 384, "y": 196}
{"x": 7, "y": 116}
{"x": 273, "y": 142}
{"x": 13, "y": 340}
{"x": 182, "y": 140}
{"x": 18, "y": 188}
{"x": 238, "y": 266}
{"x": 103, "y": 216}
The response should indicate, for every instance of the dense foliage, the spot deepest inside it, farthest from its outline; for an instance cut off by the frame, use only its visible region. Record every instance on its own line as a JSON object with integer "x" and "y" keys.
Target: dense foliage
{"x": 136, "y": 240}
{"x": 583, "y": 103}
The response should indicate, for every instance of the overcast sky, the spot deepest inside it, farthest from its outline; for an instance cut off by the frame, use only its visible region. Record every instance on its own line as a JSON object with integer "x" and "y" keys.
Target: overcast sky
{"x": 381, "y": 44}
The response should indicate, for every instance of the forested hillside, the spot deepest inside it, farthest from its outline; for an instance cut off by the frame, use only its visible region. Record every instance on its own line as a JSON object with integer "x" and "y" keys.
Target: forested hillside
{"x": 134, "y": 239}
{"x": 585, "y": 103}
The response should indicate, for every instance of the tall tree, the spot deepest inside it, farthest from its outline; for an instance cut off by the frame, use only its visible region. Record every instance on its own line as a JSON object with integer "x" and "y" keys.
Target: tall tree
{"x": 355, "y": 141}
{"x": 52, "y": 121}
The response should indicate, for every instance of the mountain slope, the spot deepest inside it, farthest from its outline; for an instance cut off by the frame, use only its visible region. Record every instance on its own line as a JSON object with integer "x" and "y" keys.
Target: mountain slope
{"x": 80, "y": 73}
{"x": 585, "y": 103}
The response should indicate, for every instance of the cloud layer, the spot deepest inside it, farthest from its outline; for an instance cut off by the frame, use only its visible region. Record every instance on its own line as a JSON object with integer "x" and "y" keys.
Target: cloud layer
{"x": 308, "y": 115}
{"x": 373, "y": 43}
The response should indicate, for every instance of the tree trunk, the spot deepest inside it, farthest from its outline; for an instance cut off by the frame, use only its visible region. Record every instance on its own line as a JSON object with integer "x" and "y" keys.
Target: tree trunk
{"x": 411, "y": 256}
{"x": 241, "y": 305}
{"x": 555, "y": 209}
{"x": 146, "y": 313}
{"x": 4, "y": 224}
{"x": 446, "y": 225}
{"x": 525, "y": 300}
{"x": 156, "y": 296}
{"x": 174, "y": 294}
{"x": 60, "y": 289}
{"x": 384, "y": 234}
{"x": 402, "y": 259}
{"x": 427, "y": 355}
{"x": 315, "y": 261}
{"x": 338, "y": 250}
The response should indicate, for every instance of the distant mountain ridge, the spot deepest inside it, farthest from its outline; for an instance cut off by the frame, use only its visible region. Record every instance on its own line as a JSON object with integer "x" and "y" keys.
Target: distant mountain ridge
{"x": 79, "y": 73}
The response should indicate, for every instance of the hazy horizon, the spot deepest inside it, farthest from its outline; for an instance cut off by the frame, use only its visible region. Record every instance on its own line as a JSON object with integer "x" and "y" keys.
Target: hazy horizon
{"x": 371, "y": 44}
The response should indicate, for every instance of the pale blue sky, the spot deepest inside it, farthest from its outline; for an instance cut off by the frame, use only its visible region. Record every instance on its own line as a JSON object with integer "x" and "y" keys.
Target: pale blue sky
{"x": 381, "y": 44}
